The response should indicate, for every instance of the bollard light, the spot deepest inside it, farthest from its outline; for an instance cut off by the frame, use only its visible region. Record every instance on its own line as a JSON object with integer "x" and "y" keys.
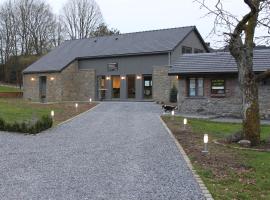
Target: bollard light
{"x": 76, "y": 105}
{"x": 185, "y": 123}
{"x": 173, "y": 113}
{"x": 90, "y": 100}
{"x": 205, "y": 141}
{"x": 52, "y": 113}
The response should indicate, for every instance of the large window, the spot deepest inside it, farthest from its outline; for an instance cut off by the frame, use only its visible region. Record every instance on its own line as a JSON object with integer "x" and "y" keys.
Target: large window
{"x": 218, "y": 87}
{"x": 195, "y": 87}
{"x": 186, "y": 50}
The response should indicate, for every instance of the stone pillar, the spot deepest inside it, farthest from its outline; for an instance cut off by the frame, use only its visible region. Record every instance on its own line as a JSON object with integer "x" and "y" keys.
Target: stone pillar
{"x": 123, "y": 88}
{"x": 108, "y": 87}
{"x": 161, "y": 84}
{"x": 139, "y": 88}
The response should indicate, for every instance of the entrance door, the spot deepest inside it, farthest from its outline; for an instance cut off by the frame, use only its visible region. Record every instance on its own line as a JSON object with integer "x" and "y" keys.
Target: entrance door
{"x": 101, "y": 87}
{"x": 147, "y": 87}
{"x": 131, "y": 88}
{"x": 42, "y": 88}
{"x": 116, "y": 87}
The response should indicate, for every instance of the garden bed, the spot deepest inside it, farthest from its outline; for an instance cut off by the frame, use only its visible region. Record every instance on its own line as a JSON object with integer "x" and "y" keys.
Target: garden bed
{"x": 228, "y": 173}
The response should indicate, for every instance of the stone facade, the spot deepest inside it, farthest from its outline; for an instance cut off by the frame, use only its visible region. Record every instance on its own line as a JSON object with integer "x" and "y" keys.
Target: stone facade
{"x": 162, "y": 84}
{"x": 229, "y": 105}
{"x": 71, "y": 84}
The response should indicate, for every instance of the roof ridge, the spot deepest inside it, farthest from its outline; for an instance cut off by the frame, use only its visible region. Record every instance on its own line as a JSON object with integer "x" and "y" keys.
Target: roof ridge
{"x": 114, "y": 35}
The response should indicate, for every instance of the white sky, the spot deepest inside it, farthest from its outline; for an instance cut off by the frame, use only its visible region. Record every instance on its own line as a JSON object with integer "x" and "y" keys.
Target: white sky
{"x": 140, "y": 15}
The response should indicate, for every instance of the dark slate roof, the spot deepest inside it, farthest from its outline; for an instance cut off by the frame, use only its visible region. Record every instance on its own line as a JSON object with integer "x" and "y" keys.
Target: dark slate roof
{"x": 147, "y": 42}
{"x": 219, "y": 62}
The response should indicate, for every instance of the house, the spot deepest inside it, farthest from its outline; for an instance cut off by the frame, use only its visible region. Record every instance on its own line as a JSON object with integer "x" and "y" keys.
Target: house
{"x": 132, "y": 66}
{"x": 208, "y": 83}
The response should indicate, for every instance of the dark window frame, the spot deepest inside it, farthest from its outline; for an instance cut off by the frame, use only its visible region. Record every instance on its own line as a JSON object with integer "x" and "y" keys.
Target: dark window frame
{"x": 112, "y": 67}
{"x": 185, "y": 49}
{"x": 196, "y": 87}
{"x": 224, "y": 85}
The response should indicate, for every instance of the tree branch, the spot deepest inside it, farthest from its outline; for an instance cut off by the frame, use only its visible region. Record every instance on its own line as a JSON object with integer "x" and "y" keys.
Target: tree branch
{"x": 263, "y": 76}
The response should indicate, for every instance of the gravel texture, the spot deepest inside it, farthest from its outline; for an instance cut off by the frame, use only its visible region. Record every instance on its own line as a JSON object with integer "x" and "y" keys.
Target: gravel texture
{"x": 117, "y": 151}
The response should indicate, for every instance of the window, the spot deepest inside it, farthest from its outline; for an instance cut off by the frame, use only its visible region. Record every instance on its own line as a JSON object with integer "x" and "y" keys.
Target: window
{"x": 218, "y": 86}
{"x": 195, "y": 87}
{"x": 186, "y": 50}
{"x": 198, "y": 51}
{"x": 112, "y": 67}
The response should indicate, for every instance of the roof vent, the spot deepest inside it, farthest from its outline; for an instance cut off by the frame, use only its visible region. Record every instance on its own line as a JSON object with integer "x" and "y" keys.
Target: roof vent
{"x": 95, "y": 41}
{"x": 116, "y": 38}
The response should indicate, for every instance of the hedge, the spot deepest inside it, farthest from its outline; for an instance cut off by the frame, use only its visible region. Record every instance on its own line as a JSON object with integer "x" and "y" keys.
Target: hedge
{"x": 42, "y": 124}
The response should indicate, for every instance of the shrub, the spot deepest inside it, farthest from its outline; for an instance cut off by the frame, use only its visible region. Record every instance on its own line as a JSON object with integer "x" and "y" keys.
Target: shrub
{"x": 173, "y": 94}
{"x": 40, "y": 125}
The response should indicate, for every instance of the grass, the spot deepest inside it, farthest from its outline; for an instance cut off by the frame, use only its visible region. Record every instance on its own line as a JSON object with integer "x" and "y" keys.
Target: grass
{"x": 9, "y": 89}
{"x": 19, "y": 110}
{"x": 228, "y": 173}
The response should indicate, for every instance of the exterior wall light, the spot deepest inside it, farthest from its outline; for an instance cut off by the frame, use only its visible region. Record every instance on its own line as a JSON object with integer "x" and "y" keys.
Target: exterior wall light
{"x": 123, "y": 77}
{"x": 108, "y": 78}
{"x": 205, "y": 141}
{"x": 139, "y": 77}
{"x": 52, "y": 78}
{"x": 33, "y": 79}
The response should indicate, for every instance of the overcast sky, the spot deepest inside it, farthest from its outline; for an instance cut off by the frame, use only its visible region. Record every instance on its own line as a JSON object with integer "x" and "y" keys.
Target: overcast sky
{"x": 140, "y": 15}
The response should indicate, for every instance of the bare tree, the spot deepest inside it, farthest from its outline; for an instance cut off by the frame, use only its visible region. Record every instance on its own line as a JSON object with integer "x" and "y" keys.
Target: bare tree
{"x": 240, "y": 35}
{"x": 81, "y": 18}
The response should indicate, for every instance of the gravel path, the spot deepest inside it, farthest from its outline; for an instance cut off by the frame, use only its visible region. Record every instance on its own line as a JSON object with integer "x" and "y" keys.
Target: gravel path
{"x": 117, "y": 151}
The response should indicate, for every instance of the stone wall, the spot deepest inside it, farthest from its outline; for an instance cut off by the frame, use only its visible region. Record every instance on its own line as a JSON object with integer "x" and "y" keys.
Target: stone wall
{"x": 162, "y": 84}
{"x": 228, "y": 106}
{"x": 71, "y": 84}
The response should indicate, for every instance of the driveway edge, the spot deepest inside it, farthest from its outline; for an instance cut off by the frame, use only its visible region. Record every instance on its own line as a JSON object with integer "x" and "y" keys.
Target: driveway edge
{"x": 201, "y": 184}
{"x": 70, "y": 119}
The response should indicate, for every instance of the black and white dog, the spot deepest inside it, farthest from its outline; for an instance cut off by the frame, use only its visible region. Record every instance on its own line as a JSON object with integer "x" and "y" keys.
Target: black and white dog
{"x": 168, "y": 108}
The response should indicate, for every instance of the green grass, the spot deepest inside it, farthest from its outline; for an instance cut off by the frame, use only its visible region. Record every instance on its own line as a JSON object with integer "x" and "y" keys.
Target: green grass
{"x": 252, "y": 183}
{"x": 221, "y": 130}
{"x": 19, "y": 110}
{"x": 9, "y": 89}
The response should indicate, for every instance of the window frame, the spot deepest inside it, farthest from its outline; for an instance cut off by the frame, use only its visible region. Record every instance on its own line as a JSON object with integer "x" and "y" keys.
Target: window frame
{"x": 218, "y": 94}
{"x": 186, "y": 47}
{"x": 196, "y": 87}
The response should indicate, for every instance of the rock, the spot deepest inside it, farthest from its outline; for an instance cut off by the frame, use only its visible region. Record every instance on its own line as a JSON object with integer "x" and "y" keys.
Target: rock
{"x": 244, "y": 143}
{"x": 236, "y": 137}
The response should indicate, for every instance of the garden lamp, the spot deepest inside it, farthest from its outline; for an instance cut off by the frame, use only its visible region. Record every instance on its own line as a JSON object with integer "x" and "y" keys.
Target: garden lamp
{"x": 205, "y": 141}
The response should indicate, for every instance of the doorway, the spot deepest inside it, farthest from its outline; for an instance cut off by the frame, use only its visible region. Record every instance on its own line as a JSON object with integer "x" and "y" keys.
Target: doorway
{"x": 147, "y": 86}
{"x": 131, "y": 88}
{"x": 116, "y": 87}
{"x": 42, "y": 88}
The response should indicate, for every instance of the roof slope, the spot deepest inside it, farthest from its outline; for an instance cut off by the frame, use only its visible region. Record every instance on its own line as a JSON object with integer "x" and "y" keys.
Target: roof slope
{"x": 124, "y": 44}
{"x": 219, "y": 62}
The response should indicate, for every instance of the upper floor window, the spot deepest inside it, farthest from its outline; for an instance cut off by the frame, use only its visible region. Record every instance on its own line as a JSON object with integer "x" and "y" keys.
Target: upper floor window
{"x": 195, "y": 87}
{"x": 198, "y": 51}
{"x": 112, "y": 67}
{"x": 218, "y": 86}
{"x": 186, "y": 50}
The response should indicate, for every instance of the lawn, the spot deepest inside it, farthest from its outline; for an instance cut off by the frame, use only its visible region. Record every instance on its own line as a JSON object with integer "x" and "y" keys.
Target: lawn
{"x": 227, "y": 172}
{"x": 9, "y": 89}
{"x": 19, "y": 110}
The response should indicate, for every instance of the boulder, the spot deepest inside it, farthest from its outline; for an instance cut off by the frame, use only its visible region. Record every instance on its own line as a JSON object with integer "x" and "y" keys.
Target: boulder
{"x": 244, "y": 143}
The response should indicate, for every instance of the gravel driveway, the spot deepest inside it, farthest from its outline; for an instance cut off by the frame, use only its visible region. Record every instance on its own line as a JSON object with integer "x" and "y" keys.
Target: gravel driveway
{"x": 117, "y": 151}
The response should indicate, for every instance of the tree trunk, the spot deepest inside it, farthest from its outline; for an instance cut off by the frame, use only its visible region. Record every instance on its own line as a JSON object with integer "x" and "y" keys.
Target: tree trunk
{"x": 250, "y": 103}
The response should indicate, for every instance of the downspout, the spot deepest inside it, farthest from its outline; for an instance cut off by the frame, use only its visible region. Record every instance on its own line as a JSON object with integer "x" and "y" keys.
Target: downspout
{"x": 169, "y": 58}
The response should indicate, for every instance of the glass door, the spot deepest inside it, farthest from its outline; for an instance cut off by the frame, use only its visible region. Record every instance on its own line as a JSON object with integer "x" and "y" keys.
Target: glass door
{"x": 131, "y": 88}
{"x": 116, "y": 87}
{"x": 147, "y": 87}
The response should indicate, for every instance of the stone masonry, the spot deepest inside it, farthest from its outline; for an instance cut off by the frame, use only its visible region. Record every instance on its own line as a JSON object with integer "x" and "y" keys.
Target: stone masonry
{"x": 229, "y": 105}
{"x": 162, "y": 84}
{"x": 71, "y": 84}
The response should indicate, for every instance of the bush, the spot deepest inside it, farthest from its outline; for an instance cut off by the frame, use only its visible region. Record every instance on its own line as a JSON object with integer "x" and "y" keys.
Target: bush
{"x": 40, "y": 125}
{"x": 173, "y": 94}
